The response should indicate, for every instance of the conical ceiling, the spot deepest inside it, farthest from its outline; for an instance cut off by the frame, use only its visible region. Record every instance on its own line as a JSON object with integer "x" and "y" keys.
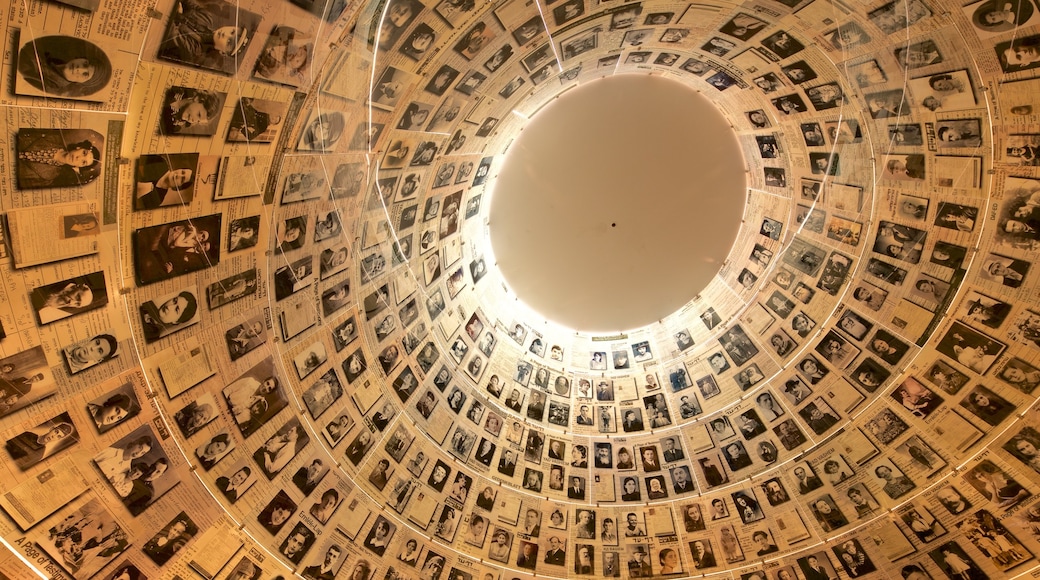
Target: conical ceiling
{"x": 253, "y": 324}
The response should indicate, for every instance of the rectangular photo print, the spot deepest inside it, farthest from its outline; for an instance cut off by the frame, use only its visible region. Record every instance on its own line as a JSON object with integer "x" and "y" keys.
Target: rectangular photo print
{"x": 25, "y": 378}
{"x": 176, "y": 248}
{"x": 59, "y": 300}
{"x": 213, "y": 35}
{"x": 32, "y": 446}
{"x": 86, "y": 540}
{"x": 137, "y": 469}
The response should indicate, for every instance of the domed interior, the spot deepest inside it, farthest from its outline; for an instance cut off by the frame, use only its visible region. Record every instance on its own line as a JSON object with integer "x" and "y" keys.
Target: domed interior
{"x": 257, "y": 320}
{"x": 603, "y": 221}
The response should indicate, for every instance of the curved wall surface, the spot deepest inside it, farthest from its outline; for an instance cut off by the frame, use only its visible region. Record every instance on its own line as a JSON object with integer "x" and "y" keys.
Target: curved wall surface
{"x": 252, "y": 324}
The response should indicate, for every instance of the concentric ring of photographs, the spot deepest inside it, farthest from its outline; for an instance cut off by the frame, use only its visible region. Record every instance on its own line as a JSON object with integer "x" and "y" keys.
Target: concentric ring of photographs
{"x": 136, "y": 468}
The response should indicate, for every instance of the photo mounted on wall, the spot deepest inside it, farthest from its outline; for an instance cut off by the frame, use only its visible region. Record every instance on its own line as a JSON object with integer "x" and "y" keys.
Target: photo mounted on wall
{"x": 90, "y": 352}
{"x": 243, "y": 338}
{"x": 25, "y": 378}
{"x": 75, "y": 542}
{"x": 190, "y": 111}
{"x": 212, "y": 35}
{"x": 231, "y": 288}
{"x": 970, "y": 348}
{"x": 286, "y": 57}
{"x": 170, "y": 250}
{"x": 1018, "y": 53}
{"x": 58, "y": 157}
{"x": 70, "y": 297}
{"x": 281, "y": 447}
{"x": 165, "y": 180}
{"x": 256, "y": 120}
{"x": 32, "y": 446}
{"x": 66, "y": 67}
{"x": 255, "y": 397}
{"x": 137, "y": 469}
{"x": 114, "y": 407}
{"x": 167, "y": 314}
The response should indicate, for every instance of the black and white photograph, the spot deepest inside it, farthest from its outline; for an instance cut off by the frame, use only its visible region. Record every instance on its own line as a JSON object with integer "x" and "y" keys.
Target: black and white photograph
{"x": 137, "y": 469}
{"x": 86, "y": 540}
{"x": 211, "y": 35}
{"x": 165, "y": 315}
{"x": 176, "y": 248}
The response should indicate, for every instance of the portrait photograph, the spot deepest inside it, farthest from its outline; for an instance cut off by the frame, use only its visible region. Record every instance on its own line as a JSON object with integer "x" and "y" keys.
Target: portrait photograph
{"x": 286, "y": 57}
{"x": 281, "y": 447}
{"x": 970, "y": 348}
{"x": 59, "y": 300}
{"x": 231, "y": 288}
{"x": 59, "y": 158}
{"x": 167, "y": 314}
{"x": 66, "y": 67}
{"x": 191, "y": 111}
{"x": 476, "y": 39}
{"x": 579, "y": 44}
{"x": 90, "y": 352}
{"x": 256, "y": 120}
{"x": 255, "y": 397}
{"x": 165, "y": 180}
{"x": 212, "y": 450}
{"x": 322, "y": 394}
{"x": 243, "y": 338}
{"x": 195, "y": 415}
{"x": 137, "y": 469}
{"x": 782, "y": 44}
{"x": 85, "y": 540}
{"x": 176, "y": 248}
{"x": 208, "y": 34}
{"x": 1018, "y": 54}
{"x": 32, "y": 446}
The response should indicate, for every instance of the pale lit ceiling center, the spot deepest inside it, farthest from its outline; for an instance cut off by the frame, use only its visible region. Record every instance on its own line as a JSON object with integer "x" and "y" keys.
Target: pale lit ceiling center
{"x": 618, "y": 203}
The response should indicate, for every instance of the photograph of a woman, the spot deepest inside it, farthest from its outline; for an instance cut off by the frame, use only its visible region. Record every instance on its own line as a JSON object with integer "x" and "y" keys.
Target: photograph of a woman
{"x": 58, "y": 157}
{"x": 63, "y": 66}
{"x": 190, "y": 111}
{"x": 164, "y": 180}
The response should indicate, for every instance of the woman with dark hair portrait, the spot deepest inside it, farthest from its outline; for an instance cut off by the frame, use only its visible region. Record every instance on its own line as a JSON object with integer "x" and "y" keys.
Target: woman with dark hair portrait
{"x": 413, "y": 118}
{"x": 112, "y": 411}
{"x": 158, "y": 175}
{"x": 49, "y": 158}
{"x": 171, "y": 315}
{"x": 209, "y": 34}
{"x": 190, "y": 111}
{"x": 92, "y": 351}
{"x": 64, "y": 66}
{"x": 322, "y": 132}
